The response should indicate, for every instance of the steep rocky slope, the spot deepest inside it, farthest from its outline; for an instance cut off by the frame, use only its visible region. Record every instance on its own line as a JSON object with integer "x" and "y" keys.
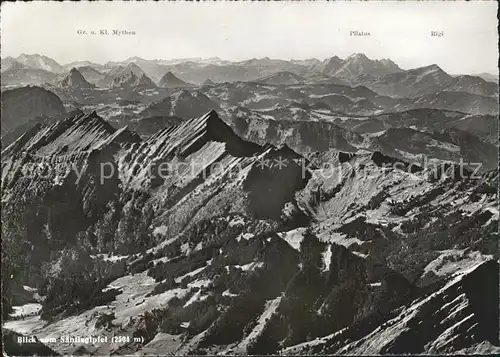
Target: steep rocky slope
{"x": 84, "y": 63}
{"x": 130, "y": 80}
{"x": 413, "y": 82}
{"x": 458, "y": 101}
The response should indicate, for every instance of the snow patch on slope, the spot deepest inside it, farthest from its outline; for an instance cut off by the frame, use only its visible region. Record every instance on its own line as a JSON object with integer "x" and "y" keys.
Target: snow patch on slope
{"x": 293, "y": 237}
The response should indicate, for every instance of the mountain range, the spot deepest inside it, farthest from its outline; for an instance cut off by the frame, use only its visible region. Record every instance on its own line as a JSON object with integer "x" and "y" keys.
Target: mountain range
{"x": 36, "y": 61}
{"x": 265, "y": 254}
{"x": 355, "y": 69}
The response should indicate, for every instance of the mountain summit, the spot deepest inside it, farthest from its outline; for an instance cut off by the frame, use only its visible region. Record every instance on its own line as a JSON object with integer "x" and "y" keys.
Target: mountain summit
{"x": 358, "y": 64}
{"x": 316, "y": 214}
{"x": 131, "y": 80}
{"x": 40, "y": 62}
{"x": 197, "y": 233}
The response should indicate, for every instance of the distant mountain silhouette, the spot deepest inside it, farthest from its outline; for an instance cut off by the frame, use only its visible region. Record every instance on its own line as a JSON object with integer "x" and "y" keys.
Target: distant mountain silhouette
{"x": 169, "y": 80}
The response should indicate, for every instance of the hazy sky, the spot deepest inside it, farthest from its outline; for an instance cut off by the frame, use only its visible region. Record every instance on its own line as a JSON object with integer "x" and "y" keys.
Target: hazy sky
{"x": 238, "y": 31}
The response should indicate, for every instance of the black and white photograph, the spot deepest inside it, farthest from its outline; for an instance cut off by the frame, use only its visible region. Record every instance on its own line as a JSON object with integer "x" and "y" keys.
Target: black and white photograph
{"x": 249, "y": 178}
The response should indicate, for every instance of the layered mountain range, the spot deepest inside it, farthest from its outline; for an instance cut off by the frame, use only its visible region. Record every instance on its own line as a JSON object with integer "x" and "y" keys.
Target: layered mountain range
{"x": 194, "y": 240}
{"x": 205, "y": 207}
{"x": 277, "y": 108}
